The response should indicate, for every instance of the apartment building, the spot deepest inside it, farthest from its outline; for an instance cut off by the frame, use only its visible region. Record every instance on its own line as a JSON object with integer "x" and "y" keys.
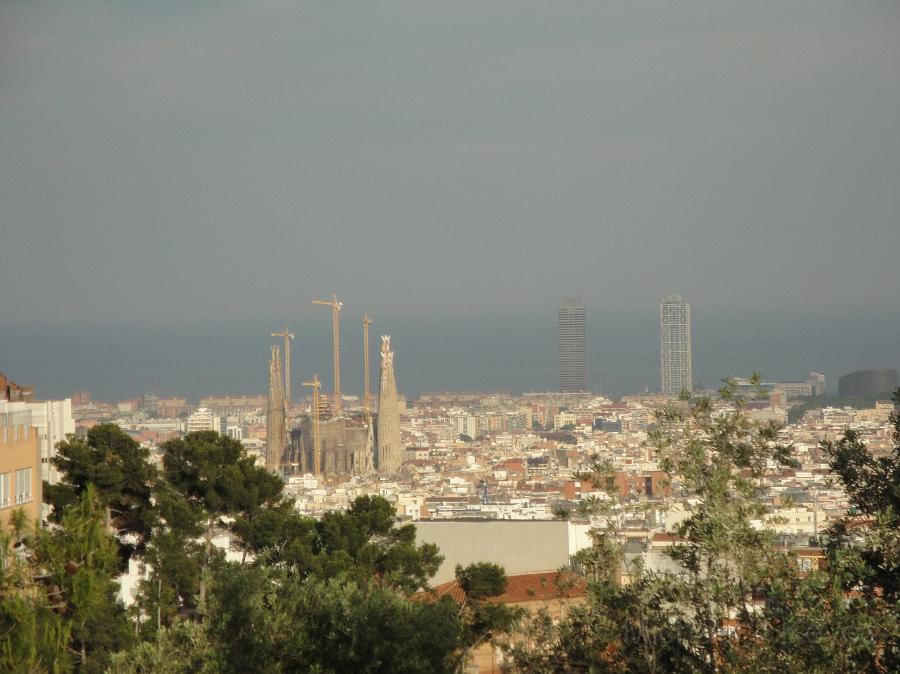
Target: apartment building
{"x": 20, "y": 472}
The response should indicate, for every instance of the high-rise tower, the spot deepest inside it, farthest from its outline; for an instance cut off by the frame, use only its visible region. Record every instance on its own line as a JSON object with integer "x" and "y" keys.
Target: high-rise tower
{"x": 572, "y": 374}
{"x": 276, "y": 435}
{"x": 675, "y": 346}
{"x": 390, "y": 448}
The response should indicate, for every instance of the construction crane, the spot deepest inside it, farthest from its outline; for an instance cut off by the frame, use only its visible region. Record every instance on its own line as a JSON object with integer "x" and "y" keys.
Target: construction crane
{"x": 315, "y": 384}
{"x": 336, "y": 347}
{"x": 288, "y": 338}
{"x": 366, "y": 397}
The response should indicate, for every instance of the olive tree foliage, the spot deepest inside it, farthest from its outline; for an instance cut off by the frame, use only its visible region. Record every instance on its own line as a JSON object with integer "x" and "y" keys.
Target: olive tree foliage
{"x": 864, "y": 547}
{"x": 638, "y": 627}
{"x": 719, "y": 456}
{"x": 182, "y": 648}
{"x": 701, "y": 617}
{"x": 873, "y": 486}
{"x": 844, "y": 616}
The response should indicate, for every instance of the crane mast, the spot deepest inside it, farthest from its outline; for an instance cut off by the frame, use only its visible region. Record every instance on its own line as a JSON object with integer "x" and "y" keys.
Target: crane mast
{"x": 336, "y": 347}
{"x": 366, "y": 397}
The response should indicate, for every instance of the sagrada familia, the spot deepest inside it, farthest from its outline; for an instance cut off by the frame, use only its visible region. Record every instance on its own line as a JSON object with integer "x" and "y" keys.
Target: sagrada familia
{"x": 390, "y": 448}
{"x": 348, "y": 443}
{"x": 276, "y": 414}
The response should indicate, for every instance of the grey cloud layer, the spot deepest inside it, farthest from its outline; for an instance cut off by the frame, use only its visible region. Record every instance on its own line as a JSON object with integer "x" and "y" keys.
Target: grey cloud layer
{"x": 240, "y": 158}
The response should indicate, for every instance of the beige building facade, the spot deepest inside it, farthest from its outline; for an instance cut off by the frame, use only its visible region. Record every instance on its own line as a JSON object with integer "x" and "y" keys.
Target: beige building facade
{"x": 20, "y": 472}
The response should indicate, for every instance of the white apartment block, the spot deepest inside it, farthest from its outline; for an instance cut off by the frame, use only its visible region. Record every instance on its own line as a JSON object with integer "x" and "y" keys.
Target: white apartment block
{"x": 202, "y": 420}
{"x": 53, "y": 421}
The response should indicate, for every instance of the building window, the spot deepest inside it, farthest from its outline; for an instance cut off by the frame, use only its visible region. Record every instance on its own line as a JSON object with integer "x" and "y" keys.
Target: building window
{"x": 23, "y": 485}
{"x": 4, "y": 490}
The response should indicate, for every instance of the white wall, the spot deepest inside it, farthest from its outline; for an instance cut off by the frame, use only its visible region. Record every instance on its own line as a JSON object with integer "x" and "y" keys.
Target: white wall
{"x": 519, "y": 546}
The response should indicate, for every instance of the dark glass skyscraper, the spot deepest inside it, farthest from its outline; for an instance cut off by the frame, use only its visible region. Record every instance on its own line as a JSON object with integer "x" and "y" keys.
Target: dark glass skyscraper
{"x": 675, "y": 346}
{"x": 572, "y": 373}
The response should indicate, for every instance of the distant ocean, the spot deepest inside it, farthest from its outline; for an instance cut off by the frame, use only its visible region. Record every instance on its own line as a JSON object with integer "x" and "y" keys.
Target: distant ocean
{"x": 117, "y": 360}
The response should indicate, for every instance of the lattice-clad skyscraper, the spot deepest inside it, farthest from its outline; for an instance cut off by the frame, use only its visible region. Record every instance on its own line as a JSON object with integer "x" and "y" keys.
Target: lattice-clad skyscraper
{"x": 390, "y": 447}
{"x": 572, "y": 373}
{"x": 276, "y": 434}
{"x": 675, "y": 346}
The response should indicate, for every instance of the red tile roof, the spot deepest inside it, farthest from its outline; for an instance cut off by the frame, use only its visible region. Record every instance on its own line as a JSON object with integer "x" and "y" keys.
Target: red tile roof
{"x": 523, "y": 587}
{"x": 662, "y": 537}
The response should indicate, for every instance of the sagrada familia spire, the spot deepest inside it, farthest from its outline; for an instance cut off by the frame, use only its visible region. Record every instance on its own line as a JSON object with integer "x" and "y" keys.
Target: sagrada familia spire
{"x": 363, "y": 454}
{"x": 276, "y": 435}
{"x": 390, "y": 448}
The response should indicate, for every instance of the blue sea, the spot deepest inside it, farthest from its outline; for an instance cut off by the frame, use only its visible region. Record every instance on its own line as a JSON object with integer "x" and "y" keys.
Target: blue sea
{"x": 515, "y": 353}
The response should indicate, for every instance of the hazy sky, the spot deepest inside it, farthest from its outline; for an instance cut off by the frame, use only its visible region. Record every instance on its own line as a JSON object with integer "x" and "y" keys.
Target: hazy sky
{"x": 173, "y": 160}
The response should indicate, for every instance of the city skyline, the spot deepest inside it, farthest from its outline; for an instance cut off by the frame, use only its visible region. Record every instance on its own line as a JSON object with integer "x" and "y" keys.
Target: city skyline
{"x": 351, "y": 171}
{"x": 504, "y": 351}
{"x": 208, "y": 205}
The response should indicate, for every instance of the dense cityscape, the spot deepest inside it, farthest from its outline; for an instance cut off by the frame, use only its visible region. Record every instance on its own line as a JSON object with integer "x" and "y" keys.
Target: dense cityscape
{"x": 449, "y": 338}
{"x": 507, "y": 479}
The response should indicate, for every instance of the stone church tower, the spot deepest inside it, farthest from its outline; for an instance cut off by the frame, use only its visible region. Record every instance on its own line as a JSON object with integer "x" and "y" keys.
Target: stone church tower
{"x": 276, "y": 434}
{"x": 390, "y": 448}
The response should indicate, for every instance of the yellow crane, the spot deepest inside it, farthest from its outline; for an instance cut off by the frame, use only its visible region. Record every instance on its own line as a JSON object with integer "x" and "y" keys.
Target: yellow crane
{"x": 336, "y": 347}
{"x": 315, "y": 384}
{"x": 366, "y": 397}
{"x": 288, "y": 338}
